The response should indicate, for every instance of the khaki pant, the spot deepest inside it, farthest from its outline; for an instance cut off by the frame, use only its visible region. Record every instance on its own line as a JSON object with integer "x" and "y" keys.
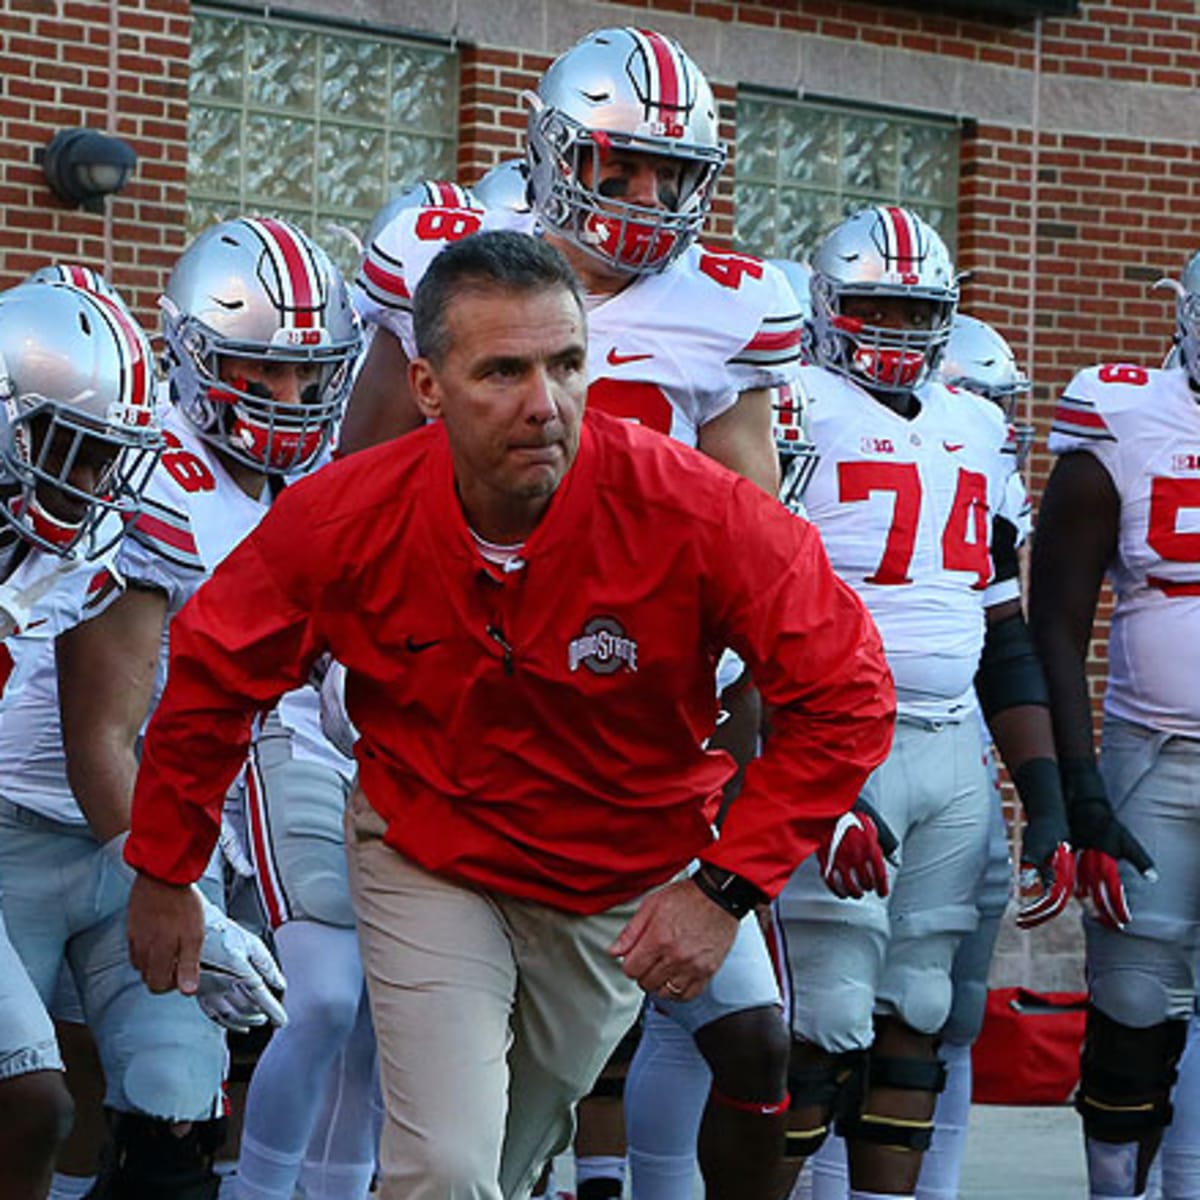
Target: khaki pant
{"x": 493, "y": 1017}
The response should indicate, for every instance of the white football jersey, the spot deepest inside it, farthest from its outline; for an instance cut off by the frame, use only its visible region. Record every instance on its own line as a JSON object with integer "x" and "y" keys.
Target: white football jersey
{"x": 672, "y": 351}
{"x": 905, "y": 509}
{"x": 193, "y": 514}
{"x": 54, "y": 595}
{"x": 44, "y": 596}
{"x": 1143, "y": 426}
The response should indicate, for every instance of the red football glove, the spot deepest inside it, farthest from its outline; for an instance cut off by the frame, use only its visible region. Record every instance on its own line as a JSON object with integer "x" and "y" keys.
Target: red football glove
{"x": 1046, "y": 886}
{"x": 851, "y": 858}
{"x": 1047, "y": 865}
{"x": 1100, "y": 842}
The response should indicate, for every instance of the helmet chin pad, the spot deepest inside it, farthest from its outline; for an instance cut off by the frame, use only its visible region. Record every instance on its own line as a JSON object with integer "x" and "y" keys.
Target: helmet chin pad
{"x": 49, "y": 528}
{"x": 891, "y": 368}
{"x": 630, "y": 242}
{"x": 277, "y": 448}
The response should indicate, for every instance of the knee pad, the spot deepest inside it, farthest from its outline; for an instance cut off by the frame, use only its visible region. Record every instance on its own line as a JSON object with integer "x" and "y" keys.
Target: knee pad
{"x": 905, "y": 1074}
{"x": 834, "y": 1086}
{"x": 1141, "y": 998}
{"x": 173, "y": 1081}
{"x": 149, "y": 1162}
{"x": 919, "y": 994}
{"x": 302, "y": 803}
{"x": 314, "y": 871}
{"x": 1126, "y": 1077}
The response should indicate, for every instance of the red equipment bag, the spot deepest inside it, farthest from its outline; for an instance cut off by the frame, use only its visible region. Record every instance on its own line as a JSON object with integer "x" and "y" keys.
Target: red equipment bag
{"x": 1028, "y": 1051}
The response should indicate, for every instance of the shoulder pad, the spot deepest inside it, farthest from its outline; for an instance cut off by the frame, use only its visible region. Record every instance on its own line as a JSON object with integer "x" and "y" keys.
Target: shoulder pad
{"x": 1085, "y": 409}
{"x": 166, "y": 531}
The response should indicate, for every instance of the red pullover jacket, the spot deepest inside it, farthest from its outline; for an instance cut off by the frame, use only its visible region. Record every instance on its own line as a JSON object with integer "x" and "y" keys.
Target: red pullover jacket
{"x": 538, "y": 731}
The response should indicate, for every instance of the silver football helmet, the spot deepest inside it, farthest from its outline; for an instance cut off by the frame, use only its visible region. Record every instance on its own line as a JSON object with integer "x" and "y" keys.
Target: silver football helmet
{"x": 629, "y": 89}
{"x": 78, "y": 432}
{"x": 979, "y": 360}
{"x": 259, "y": 288}
{"x": 505, "y": 187}
{"x": 78, "y": 276}
{"x": 428, "y": 193}
{"x": 883, "y": 251}
{"x": 1187, "y": 318}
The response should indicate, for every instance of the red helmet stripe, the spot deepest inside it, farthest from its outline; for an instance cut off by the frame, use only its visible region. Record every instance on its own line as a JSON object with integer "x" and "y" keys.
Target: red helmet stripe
{"x": 136, "y": 385}
{"x": 79, "y": 277}
{"x": 903, "y": 239}
{"x": 661, "y": 55}
{"x": 296, "y": 270}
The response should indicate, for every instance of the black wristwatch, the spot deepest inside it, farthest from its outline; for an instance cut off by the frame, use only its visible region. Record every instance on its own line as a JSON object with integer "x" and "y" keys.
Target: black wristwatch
{"x": 737, "y": 896}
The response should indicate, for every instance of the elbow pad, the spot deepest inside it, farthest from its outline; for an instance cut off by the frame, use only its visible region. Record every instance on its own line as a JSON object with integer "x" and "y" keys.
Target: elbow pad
{"x": 1010, "y": 672}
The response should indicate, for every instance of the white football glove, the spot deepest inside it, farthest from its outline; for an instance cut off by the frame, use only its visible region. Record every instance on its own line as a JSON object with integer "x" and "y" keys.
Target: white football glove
{"x": 229, "y": 840}
{"x": 335, "y": 720}
{"x": 237, "y": 972}
{"x": 238, "y": 976}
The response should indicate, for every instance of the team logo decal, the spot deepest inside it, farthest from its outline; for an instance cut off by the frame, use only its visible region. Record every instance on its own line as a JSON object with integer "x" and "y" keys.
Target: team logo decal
{"x": 603, "y": 647}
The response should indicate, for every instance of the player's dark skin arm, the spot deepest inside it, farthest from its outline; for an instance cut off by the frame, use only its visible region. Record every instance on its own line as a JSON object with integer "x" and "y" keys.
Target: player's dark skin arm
{"x": 1077, "y": 529}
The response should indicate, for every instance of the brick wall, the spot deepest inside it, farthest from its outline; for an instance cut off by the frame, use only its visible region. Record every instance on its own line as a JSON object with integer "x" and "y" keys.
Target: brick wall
{"x": 1142, "y": 41}
{"x": 119, "y": 66}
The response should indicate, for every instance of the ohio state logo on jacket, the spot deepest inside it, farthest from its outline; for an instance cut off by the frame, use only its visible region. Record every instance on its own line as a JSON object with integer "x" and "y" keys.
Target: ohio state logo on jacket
{"x": 603, "y": 647}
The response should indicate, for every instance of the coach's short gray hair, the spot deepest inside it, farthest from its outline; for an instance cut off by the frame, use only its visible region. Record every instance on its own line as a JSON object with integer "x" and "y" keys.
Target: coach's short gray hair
{"x": 499, "y": 260}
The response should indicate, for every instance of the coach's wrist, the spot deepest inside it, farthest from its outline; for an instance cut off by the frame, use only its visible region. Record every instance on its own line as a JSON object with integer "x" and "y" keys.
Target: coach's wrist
{"x": 737, "y": 896}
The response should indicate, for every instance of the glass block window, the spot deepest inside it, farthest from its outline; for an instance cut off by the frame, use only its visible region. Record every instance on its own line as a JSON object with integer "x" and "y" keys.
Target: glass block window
{"x": 803, "y": 165}
{"x": 314, "y": 124}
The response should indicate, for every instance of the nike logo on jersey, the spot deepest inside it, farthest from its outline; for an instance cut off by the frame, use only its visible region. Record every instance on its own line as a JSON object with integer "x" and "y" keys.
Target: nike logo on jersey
{"x": 619, "y": 360}
{"x": 415, "y": 647}
{"x": 953, "y": 446}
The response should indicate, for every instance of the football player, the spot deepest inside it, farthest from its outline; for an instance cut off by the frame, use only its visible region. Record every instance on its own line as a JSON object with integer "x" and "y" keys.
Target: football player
{"x": 1121, "y": 501}
{"x": 910, "y": 481}
{"x": 260, "y": 337}
{"x": 78, "y": 439}
{"x": 623, "y": 156}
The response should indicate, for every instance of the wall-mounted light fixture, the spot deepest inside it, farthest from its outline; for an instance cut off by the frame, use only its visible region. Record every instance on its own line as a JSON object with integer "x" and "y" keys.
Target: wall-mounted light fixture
{"x": 82, "y": 166}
